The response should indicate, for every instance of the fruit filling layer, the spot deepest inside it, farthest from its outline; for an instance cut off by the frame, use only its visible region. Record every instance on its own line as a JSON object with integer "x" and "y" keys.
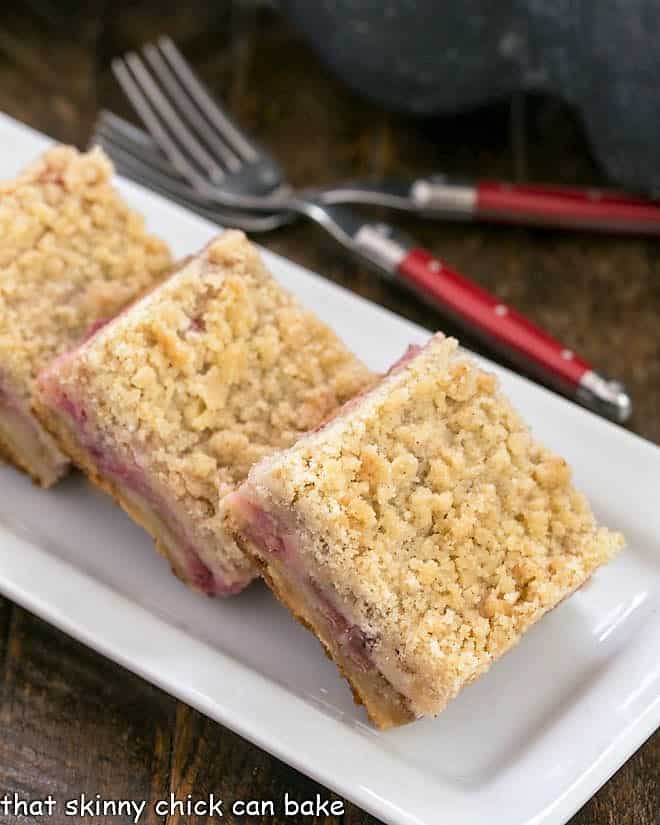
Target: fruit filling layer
{"x": 191, "y": 560}
{"x": 276, "y": 540}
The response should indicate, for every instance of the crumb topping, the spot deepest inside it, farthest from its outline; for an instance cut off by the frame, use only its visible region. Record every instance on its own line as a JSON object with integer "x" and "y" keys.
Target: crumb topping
{"x": 211, "y": 371}
{"x": 71, "y": 252}
{"x": 432, "y": 513}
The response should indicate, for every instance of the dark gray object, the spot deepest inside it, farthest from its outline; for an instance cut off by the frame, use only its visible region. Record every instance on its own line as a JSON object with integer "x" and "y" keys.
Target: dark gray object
{"x": 431, "y": 57}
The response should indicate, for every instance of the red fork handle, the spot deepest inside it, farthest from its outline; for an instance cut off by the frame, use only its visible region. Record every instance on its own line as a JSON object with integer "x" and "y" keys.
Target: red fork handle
{"x": 511, "y": 333}
{"x": 394, "y": 255}
{"x": 566, "y": 207}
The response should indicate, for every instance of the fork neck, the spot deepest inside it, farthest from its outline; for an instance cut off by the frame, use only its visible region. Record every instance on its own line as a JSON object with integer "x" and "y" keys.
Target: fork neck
{"x": 375, "y": 242}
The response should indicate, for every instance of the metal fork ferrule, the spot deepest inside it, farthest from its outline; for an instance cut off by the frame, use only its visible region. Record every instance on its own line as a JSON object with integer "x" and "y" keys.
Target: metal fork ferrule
{"x": 447, "y": 197}
{"x": 380, "y": 246}
{"x": 604, "y": 396}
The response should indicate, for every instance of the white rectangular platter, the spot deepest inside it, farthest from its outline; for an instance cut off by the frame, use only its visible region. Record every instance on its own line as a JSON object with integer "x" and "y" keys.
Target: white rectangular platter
{"x": 528, "y": 743}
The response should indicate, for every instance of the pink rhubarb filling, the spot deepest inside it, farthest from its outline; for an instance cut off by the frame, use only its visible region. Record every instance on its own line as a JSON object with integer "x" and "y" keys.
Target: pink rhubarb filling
{"x": 130, "y": 476}
{"x": 274, "y": 538}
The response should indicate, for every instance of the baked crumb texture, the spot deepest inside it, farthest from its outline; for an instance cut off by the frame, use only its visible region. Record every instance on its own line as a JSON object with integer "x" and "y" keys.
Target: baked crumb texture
{"x": 420, "y": 533}
{"x": 71, "y": 253}
{"x": 175, "y": 400}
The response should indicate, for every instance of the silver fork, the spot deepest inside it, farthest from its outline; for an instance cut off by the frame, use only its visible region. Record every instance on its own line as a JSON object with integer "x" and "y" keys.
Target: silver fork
{"x": 245, "y": 169}
{"x": 246, "y": 163}
{"x": 220, "y": 162}
{"x": 213, "y": 155}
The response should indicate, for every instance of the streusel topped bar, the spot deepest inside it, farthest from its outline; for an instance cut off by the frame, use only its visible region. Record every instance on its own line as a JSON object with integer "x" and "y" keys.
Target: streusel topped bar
{"x": 72, "y": 253}
{"x": 420, "y": 532}
{"x": 171, "y": 404}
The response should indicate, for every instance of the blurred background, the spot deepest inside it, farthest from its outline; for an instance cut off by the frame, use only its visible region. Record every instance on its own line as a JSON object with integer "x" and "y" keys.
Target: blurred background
{"x": 523, "y": 91}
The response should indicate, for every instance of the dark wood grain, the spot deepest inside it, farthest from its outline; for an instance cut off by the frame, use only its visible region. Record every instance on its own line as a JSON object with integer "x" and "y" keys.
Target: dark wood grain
{"x": 70, "y": 721}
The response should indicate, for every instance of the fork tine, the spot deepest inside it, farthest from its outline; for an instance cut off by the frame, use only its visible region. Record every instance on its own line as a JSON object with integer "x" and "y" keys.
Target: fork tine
{"x": 160, "y": 118}
{"x": 221, "y": 217}
{"x": 120, "y": 153}
{"x": 213, "y": 111}
{"x": 174, "y": 120}
{"x": 143, "y": 108}
{"x": 127, "y": 162}
{"x": 124, "y": 135}
{"x": 117, "y": 125}
{"x": 137, "y": 143}
{"x": 181, "y": 97}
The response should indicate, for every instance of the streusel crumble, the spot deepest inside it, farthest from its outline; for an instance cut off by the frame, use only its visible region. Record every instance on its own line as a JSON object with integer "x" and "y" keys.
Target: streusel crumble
{"x": 71, "y": 253}
{"x": 169, "y": 405}
{"x": 420, "y": 532}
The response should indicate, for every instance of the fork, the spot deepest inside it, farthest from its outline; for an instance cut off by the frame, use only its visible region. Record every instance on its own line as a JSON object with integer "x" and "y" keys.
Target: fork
{"x": 434, "y": 196}
{"x": 222, "y": 165}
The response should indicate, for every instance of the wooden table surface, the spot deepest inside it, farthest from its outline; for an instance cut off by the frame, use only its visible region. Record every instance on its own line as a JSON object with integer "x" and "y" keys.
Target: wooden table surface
{"x": 73, "y": 722}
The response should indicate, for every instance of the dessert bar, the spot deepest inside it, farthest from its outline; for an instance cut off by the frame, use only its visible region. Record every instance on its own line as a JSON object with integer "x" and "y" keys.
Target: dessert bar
{"x": 420, "y": 532}
{"x": 168, "y": 406}
{"x": 72, "y": 254}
